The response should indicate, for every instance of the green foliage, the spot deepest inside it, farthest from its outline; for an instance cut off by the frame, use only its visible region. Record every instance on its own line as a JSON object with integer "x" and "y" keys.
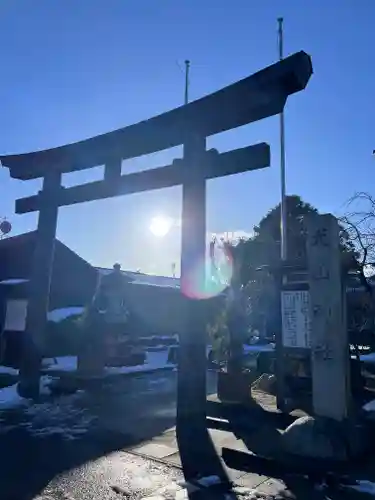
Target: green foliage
{"x": 218, "y": 334}
{"x": 264, "y": 248}
{"x": 263, "y": 251}
{"x": 215, "y": 313}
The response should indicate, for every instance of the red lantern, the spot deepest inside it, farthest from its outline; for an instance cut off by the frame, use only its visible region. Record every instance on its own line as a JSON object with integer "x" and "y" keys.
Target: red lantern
{"x": 5, "y": 226}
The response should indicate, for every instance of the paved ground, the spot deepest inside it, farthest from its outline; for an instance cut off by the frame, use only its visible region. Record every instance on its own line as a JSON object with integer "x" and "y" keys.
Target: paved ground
{"x": 45, "y": 439}
{"x": 77, "y": 447}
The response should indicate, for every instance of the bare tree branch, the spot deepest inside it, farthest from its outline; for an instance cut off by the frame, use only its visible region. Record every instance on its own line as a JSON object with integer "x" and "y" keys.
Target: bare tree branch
{"x": 359, "y": 226}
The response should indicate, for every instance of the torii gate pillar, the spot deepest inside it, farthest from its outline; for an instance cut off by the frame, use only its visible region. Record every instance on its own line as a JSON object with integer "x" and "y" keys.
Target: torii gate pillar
{"x": 39, "y": 287}
{"x": 191, "y": 394}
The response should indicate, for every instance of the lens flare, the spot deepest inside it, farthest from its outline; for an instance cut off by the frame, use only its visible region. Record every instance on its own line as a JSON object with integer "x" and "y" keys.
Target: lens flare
{"x": 204, "y": 281}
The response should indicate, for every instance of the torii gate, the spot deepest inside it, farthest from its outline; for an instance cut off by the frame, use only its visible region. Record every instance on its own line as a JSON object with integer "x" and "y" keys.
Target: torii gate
{"x": 258, "y": 96}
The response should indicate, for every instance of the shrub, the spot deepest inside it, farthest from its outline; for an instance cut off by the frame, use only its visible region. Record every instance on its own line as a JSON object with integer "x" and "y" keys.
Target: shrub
{"x": 218, "y": 334}
{"x": 63, "y": 338}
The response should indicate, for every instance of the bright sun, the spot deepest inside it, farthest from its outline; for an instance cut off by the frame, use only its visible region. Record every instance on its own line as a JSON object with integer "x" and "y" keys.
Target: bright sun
{"x": 160, "y": 226}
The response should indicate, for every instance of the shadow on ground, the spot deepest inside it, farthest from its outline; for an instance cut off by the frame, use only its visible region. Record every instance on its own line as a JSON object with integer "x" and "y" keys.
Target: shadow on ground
{"x": 48, "y": 440}
{"x": 45, "y": 440}
{"x": 198, "y": 455}
{"x": 304, "y": 479}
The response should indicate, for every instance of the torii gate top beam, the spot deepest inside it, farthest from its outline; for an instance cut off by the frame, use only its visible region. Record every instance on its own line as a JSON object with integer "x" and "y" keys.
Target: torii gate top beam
{"x": 261, "y": 95}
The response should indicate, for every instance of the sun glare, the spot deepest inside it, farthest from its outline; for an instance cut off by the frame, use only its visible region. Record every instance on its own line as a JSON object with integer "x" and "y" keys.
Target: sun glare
{"x": 160, "y": 226}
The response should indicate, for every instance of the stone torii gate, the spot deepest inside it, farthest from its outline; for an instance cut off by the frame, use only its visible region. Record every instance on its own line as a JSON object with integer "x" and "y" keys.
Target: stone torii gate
{"x": 258, "y": 96}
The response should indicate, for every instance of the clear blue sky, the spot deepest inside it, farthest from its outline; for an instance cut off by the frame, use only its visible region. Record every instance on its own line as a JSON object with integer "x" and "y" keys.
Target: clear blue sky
{"x": 72, "y": 69}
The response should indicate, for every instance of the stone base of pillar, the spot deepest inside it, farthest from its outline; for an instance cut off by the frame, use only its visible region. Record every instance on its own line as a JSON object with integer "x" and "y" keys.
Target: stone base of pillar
{"x": 29, "y": 377}
{"x": 234, "y": 387}
{"x": 92, "y": 353}
{"x": 326, "y": 439}
{"x": 29, "y": 389}
{"x": 91, "y": 364}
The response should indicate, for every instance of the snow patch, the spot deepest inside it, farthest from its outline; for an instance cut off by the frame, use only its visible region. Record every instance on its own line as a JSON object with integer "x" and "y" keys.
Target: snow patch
{"x": 368, "y": 358}
{"x": 370, "y": 406}
{"x": 158, "y": 497}
{"x": 9, "y": 398}
{"x": 146, "y": 483}
{"x": 258, "y": 348}
{"x": 362, "y": 486}
{"x": 13, "y": 281}
{"x": 154, "y": 361}
{"x": 7, "y": 370}
{"x": 209, "y": 481}
{"x": 44, "y": 387}
{"x": 62, "y": 417}
{"x": 145, "y": 279}
{"x": 243, "y": 490}
{"x": 202, "y": 482}
{"x": 252, "y": 348}
{"x": 160, "y": 285}
{"x": 159, "y": 337}
{"x": 58, "y": 315}
{"x": 60, "y": 364}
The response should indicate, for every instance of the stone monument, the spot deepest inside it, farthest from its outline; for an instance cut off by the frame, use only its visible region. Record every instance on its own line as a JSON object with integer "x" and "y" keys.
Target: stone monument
{"x": 333, "y": 431}
{"x": 107, "y": 314}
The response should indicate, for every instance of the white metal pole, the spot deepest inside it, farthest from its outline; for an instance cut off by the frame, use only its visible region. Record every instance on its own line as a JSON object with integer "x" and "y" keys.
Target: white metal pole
{"x": 283, "y": 221}
{"x": 280, "y": 369}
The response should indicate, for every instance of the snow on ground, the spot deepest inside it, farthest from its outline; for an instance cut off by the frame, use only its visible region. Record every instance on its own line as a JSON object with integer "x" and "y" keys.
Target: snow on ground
{"x": 148, "y": 482}
{"x": 45, "y": 382}
{"x": 368, "y": 358}
{"x": 10, "y": 399}
{"x": 370, "y": 406}
{"x": 209, "y": 481}
{"x": 13, "y": 281}
{"x": 362, "y": 486}
{"x": 160, "y": 347}
{"x": 61, "y": 364}
{"x": 160, "y": 337}
{"x": 58, "y": 315}
{"x": 152, "y": 485}
{"x": 58, "y": 417}
{"x": 144, "y": 480}
{"x": 154, "y": 361}
{"x": 258, "y": 348}
{"x": 250, "y": 348}
{"x": 202, "y": 482}
{"x": 7, "y": 370}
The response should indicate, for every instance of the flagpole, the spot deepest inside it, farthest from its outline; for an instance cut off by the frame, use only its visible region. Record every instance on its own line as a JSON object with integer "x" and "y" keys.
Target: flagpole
{"x": 283, "y": 217}
{"x": 187, "y": 70}
{"x": 280, "y": 368}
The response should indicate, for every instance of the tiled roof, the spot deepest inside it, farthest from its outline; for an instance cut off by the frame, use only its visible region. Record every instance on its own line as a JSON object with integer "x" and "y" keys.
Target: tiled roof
{"x": 146, "y": 279}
